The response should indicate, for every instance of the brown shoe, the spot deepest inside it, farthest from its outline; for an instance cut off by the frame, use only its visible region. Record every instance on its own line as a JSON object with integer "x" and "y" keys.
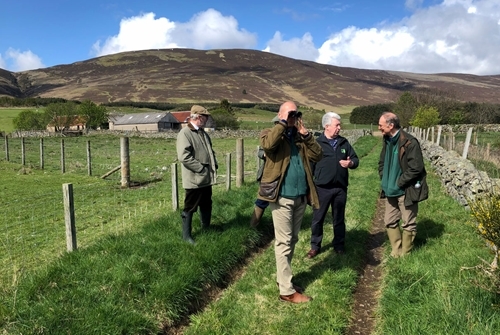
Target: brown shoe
{"x": 295, "y": 287}
{"x": 295, "y": 298}
{"x": 312, "y": 253}
{"x": 256, "y": 216}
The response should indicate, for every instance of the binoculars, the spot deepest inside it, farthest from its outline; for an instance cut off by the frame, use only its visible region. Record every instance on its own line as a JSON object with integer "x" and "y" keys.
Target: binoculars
{"x": 295, "y": 114}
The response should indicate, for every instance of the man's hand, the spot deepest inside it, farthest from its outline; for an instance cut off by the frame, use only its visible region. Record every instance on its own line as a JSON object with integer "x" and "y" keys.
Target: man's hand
{"x": 300, "y": 127}
{"x": 346, "y": 163}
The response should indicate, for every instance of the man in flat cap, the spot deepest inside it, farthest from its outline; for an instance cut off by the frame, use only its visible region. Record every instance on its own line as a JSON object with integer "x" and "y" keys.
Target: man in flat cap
{"x": 199, "y": 170}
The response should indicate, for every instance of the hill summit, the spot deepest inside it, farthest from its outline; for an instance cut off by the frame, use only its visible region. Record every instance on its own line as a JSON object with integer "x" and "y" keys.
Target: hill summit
{"x": 187, "y": 75}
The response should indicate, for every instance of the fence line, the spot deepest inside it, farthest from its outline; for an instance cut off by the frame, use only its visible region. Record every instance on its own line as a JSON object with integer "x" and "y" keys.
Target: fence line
{"x": 32, "y": 227}
{"x": 31, "y": 238}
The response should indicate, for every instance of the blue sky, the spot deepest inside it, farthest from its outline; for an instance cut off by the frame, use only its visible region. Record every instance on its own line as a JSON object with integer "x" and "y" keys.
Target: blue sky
{"x": 421, "y": 36}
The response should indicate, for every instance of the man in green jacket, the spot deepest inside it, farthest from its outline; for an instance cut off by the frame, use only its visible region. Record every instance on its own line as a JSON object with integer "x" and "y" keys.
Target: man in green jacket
{"x": 199, "y": 170}
{"x": 402, "y": 171}
{"x": 286, "y": 183}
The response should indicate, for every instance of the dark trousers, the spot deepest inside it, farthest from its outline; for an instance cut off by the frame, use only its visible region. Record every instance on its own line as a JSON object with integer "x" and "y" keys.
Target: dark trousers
{"x": 198, "y": 197}
{"x": 261, "y": 203}
{"x": 335, "y": 198}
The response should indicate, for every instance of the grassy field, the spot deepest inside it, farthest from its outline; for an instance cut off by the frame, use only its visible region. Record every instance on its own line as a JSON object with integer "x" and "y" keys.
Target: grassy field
{"x": 6, "y": 117}
{"x": 250, "y": 118}
{"x": 134, "y": 275}
{"x": 34, "y": 233}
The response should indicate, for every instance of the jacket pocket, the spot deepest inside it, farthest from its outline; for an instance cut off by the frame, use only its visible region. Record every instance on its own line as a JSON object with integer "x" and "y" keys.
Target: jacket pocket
{"x": 269, "y": 190}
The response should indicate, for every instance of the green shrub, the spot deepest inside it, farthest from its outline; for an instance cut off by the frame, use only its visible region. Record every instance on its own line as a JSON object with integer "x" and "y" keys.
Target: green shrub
{"x": 485, "y": 211}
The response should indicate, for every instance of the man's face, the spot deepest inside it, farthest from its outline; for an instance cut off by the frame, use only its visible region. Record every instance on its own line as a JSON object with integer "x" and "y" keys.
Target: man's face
{"x": 332, "y": 130}
{"x": 384, "y": 127}
{"x": 201, "y": 120}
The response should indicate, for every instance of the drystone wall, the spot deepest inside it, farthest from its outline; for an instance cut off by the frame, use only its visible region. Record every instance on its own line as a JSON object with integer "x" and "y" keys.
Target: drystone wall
{"x": 351, "y": 135}
{"x": 460, "y": 178}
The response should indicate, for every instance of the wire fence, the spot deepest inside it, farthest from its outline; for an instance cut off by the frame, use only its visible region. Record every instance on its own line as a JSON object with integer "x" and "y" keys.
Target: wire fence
{"x": 32, "y": 224}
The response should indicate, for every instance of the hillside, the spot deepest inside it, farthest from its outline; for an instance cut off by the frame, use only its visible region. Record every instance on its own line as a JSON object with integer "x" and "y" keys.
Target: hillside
{"x": 187, "y": 75}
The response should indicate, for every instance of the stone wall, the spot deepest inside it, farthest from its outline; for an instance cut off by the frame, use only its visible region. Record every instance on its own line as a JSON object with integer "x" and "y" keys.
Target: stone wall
{"x": 351, "y": 135}
{"x": 459, "y": 176}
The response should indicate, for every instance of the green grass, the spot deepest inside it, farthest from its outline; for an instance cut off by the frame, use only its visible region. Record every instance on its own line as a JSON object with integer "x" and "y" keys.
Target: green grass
{"x": 429, "y": 292}
{"x": 135, "y": 275}
{"x": 251, "y": 305}
{"x": 32, "y": 221}
{"x": 7, "y": 115}
{"x": 481, "y": 138}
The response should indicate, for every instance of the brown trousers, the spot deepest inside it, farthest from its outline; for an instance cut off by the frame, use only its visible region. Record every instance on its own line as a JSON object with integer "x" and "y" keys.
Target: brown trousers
{"x": 395, "y": 210}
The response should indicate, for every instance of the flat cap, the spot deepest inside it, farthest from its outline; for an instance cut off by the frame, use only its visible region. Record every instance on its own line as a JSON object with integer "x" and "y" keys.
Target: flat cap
{"x": 197, "y": 109}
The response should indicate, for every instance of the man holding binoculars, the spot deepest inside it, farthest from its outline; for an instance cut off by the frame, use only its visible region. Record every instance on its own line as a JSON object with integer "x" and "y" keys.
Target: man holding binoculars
{"x": 287, "y": 183}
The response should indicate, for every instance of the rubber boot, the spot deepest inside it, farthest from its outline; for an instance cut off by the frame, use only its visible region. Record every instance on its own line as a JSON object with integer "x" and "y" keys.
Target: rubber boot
{"x": 256, "y": 216}
{"x": 394, "y": 235}
{"x": 408, "y": 238}
{"x": 205, "y": 217}
{"x": 187, "y": 219}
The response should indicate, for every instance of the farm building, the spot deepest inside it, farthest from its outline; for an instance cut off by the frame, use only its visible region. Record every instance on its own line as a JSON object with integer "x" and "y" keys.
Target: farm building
{"x": 183, "y": 116}
{"x": 67, "y": 123}
{"x": 151, "y": 121}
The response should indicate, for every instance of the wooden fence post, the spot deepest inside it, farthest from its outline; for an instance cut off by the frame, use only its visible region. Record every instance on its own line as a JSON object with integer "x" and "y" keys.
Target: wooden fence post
{"x": 6, "y": 148}
{"x": 228, "y": 171}
{"x": 89, "y": 160}
{"x": 69, "y": 217}
{"x": 42, "y": 163}
{"x": 63, "y": 160}
{"x": 240, "y": 162}
{"x": 23, "y": 152}
{"x": 175, "y": 188}
{"x": 467, "y": 142}
{"x": 440, "y": 128}
{"x": 487, "y": 151}
{"x": 125, "y": 161}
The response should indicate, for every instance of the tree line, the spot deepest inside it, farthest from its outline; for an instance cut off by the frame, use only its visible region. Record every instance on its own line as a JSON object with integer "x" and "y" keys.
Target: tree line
{"x": 429, "y": 107}
{"x": 62, "y": 115}
{"x": 421, "y": 108}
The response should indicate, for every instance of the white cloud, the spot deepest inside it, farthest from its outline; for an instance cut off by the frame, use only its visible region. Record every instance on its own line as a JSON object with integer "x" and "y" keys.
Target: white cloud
{"x": 461, "y": 36}
{"x": 413, "y": 4}
{"x": 139, "y": 33}
{"x": 364, "y": 47}
{"x": 298, "y": 48}
{"x": 206, "y": 30}
{"x": 15, "y": 60}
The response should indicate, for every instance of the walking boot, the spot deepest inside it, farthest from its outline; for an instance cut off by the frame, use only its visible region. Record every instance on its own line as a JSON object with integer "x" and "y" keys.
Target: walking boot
{"x": 256, "y": 216}
{"x": 408, "y": 238}
{"x": 187, "y": 219}
{"x": 205, "y": 217}
{"x": 394, "y": 235}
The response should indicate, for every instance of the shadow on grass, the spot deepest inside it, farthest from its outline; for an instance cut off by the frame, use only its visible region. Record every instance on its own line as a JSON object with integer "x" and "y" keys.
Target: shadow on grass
{"x": 356, "y": 241}
{"x": 427, "y": 229}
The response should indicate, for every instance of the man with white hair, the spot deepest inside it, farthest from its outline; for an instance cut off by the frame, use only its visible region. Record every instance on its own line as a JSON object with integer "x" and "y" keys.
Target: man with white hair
{"x": 199, "y": 170}
{"x": 331, "y": 178}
